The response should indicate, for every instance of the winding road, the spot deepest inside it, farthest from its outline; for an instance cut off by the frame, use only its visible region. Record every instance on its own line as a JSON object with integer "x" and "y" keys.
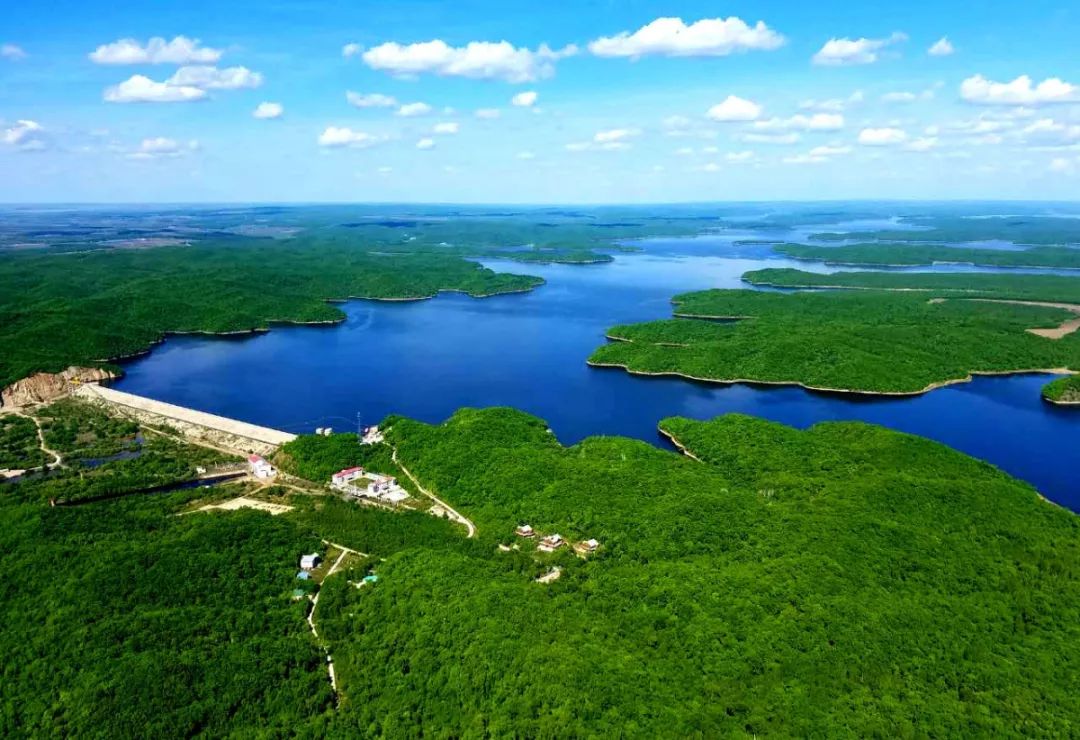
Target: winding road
{"x": 452, "y": 513}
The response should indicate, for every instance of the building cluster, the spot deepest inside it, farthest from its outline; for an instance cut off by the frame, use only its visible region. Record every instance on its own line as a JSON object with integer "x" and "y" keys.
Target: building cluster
{"x": 260, "y": 468}
{"x": 375, "y": 485}
{"x": 371, "y": 436}
{"x": 553, "y": 542}
{"x": 324, "y": 431}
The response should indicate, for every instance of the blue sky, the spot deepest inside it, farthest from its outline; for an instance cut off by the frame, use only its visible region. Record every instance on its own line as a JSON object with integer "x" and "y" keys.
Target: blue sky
{"x": 538, "y": 102}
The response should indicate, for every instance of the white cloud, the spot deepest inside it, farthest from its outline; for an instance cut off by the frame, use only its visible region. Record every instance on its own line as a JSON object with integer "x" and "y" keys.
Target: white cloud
{"x": 340, "y": 136}
{"x": 409, "y": 110}
{"x": 269, "y": 110}
{"x": 181, "y": 50}
{"x": 12, "y": 52}
{"x": 162, "y": 148}
{"x": 351, "y": 50}
{"x": 384, "y": 170}
{"x": 922, "y": 144}
{"x": 801, "y": 122}
{"x": 734, "y": 108}
{"x": 212, "y": 78}
{"x": 882, "y": 136}
{"x": 830, "y": 150}
{"x": 445, "y": 127}
{"x": 1049, "y": 133}
{"x": 426, "y": 143}
{"x": 526, "y": 155}
{"x": 899, "y": 97}
{"x": 477, "y": 59}
{"x": 845, "y": 52}
{"x": 370, "y": 100}
{"x": 818, "y": 155}
{"x": 488, "y": 113}
{"x": 676, "y": 123}
{"x": 615, "y": 139}
{"x": 1020, "y": 91}
{"x": 525, "y": 99}
{"x": 709, "y": 37}
{"x": 1062, "y": 166}
{"x": 25, "y": 135}
{"x": 744, "y": 156}
{"x": 752, "y": 137}
{"x": 941, "y": 48}
{"x": 684, "y": 151}
{"x": 141, "y": 89}
{"x": 710, "y": 167}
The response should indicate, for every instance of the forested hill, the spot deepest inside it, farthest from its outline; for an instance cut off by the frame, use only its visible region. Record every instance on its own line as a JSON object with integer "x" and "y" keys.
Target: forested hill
{"x": 85, "y": 308}
{"x": 843, "y": 580}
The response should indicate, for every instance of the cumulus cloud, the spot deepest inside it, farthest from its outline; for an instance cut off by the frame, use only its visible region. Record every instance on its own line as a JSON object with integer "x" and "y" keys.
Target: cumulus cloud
{"x": 922, "y": 144}
{"x": 186, "y": 84}
{"x": 941, "y": 48}
{"x": 25, "y": 135}
{"x": 181, "y": 50}
{"x": 614, "y": 139}
{"x": 12, "y": 52}
{"x": 426, "y": 143}
{"x": 709, "y": 37}
{"x": 844, "y": 52}
{"x": 141, "y": 89}
{"x": 370, "y": 100}
{"x": 525, "y": 99}
{"x": 337, "y": 137}
{"x": 734, "y": 108}
{"x": 526, "y": 155}
{"x": 1021, "y": 91}
{"x": 351, "y": 50}
{"x": 410, "y": 110}
{"x": 212, "y": 78}
{"x": 754, "y": 137}
{"x": 737, "y": 157}
{"x": 488, "y": 113}
{"x": 162, "y": 147}
{"x": 818, "y": 155}
{"x": 477, "y": 59}
{"x": 888, "y": 136}
{"x": 802, "y": 122}
{"x": 269, "y": 110}
{"x": 1048, "y": 133}
{"x": 446, "y": 127}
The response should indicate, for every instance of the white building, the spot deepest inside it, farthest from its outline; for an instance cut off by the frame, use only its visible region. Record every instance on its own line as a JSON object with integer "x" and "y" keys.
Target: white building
{"x": 551, "y": 543}
{"x": 346, "y": 476}
{"x": 525, "y": 531}
{"x": 310, "y": 562}
{"x": 260, "y": 468}
{"x": 371, "y": 436}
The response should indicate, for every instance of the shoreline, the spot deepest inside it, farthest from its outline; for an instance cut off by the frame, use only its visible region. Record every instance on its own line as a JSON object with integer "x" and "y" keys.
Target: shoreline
{"x": 834, "y": 391}
{"x": 678, "y": 444}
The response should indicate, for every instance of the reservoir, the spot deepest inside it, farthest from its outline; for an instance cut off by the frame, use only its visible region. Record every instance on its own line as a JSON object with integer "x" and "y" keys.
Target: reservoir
{"x": 425, "y": 359}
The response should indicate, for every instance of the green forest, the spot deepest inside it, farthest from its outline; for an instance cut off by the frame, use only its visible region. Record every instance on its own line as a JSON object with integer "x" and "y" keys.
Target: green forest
{"x": 854, "y": 340}
{"x": 1065, "y": 390}
{"x": 885, "y": 255}
{"x": 958, "y": 228}
{"x": 846, "y": 580}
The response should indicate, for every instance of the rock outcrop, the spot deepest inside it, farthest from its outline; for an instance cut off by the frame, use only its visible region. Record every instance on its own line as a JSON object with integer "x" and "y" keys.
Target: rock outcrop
{"x": 45, "y": 387}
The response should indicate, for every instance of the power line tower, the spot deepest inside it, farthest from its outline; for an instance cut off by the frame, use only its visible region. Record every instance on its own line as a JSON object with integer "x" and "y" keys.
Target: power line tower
{"x": 359, "y": 429}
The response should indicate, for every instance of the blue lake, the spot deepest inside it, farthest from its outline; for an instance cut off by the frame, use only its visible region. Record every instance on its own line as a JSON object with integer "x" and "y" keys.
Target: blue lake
{"x": 426, "y": 359}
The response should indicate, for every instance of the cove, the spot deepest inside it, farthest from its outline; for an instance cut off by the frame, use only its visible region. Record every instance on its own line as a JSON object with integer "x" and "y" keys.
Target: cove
{"x": 426, "y": 359}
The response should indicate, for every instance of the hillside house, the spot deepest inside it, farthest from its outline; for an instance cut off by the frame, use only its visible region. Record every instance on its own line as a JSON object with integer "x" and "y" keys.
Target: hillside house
{"x": 346, "y": 476}
{"x": 586, "y": 546}
{"x": 310, "y": 562}
{"x": 525, "y": 531}
{"x": 371, "y": 436}
{"x": 551, "y": 543}
{"x": 260, "y": 468}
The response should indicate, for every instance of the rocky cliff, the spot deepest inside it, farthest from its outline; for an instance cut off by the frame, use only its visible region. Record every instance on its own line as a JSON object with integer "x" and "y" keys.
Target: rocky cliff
{"x": 45, "y": 387}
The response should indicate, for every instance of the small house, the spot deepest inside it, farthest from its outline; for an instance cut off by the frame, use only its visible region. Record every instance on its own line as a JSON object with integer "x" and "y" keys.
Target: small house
{"x": 586, "y": 546}
{"x": 371, "y": 436}
{"x": 525, "y": 531}
{"x": 348, "y": 475}
{"x": 551, "y": 543}
{"x": 298, "y": 594}
{"x": 304, "y": 575}
{"x": 260, "y": 468}
{"x": 310, "y": 562}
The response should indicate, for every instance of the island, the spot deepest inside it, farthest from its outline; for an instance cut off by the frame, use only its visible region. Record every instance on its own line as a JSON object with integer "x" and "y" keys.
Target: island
{"x": 876, "y": 254}
{"x": 1063, "y": 391}
{"x": 871, "y": 333}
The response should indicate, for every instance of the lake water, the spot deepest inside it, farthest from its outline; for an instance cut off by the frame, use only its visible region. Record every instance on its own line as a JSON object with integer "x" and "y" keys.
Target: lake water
{"x": 426, "y": 359}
